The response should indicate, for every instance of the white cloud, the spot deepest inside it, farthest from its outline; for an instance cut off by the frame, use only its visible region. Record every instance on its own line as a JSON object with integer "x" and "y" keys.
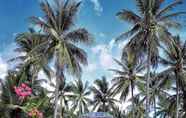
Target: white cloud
{"x": 104, "y": 55}
{"x": 98, "y": 48}
{"x": 3, "y": 68}
{"x": 97, "y": 6}
{"x": 106, "y": 59}
{"x": 91, "y": 67}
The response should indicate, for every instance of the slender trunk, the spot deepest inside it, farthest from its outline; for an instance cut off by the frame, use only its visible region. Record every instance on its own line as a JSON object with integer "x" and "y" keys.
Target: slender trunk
{"x": 154, "y": 106}
{"x": 184, "y": 99}
{"x": 104, "y": 108}
{"x": 147, "y": 27}
{"x": 132, "y": 92}
{"x": 59, "y": 82}
{"x": 147, "y": 84}
{"x": 177, "y": 96}
{"x": 62, "y": 108}
{"x": 56, "y": 99}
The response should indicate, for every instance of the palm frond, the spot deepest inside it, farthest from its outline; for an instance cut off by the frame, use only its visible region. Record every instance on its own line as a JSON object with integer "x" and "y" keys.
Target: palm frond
{"x": 129, "y": 33}
{"x": 172, "y": 15}
{"x": 121, "y": 64}
{"x": 141, "y": 6}
{"x": 49, "y": 12}
{"x": 79, "y": 36}
{"x": 168, "y": 8}
{"x": 171, "y": 24}
{"x": 129, "y": 16}
{"x": 79, "y": 54}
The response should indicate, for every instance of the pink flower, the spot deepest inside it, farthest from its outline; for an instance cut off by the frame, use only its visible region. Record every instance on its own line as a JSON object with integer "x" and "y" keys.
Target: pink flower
{"x": 35, "y": 113}
{"x": 23, "y": 91}
{"x": 40, "y": 114}
{"x": 24, "y": 94}
{"x": 30, "y": 114}
{"x": 23, "y": 85}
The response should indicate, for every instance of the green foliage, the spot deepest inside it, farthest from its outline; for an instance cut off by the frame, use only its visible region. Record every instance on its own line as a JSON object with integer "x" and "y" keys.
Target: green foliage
{"x": 103, "y": 99}
{"x": 57, "y": 42}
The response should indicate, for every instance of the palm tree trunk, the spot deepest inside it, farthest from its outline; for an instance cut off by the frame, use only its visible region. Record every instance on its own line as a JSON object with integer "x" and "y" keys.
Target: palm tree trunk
{"x": 184, "y": 100}
{"x": 177, "y": 96}
{"x": 56, "y": 100}
{"x": 59, "y": 81}
{"x": 104, "y": 108}
{"x": 132, "y": 93}
{"x": 147, "y": 83}
{"x": 64, "y": 107}
{"x": 147, "y": 22}
{"x": 154, "y": 106}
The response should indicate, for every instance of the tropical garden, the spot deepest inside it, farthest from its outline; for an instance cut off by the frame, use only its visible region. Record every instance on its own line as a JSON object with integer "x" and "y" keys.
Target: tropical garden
{"x": 151, "y": 74}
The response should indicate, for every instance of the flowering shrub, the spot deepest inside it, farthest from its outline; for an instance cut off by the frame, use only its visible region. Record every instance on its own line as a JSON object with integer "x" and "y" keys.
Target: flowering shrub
{"x": 35, "y": 113}
{"x": 23, "y": 91}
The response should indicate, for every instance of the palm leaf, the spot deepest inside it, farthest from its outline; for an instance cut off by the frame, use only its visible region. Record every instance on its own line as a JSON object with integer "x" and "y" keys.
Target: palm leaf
{"x": 129, "y": 16}
{"x": 169, "y": 7}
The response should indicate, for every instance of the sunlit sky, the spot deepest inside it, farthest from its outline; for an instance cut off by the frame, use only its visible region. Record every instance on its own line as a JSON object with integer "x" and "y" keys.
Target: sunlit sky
{"x": 98, "y": 16}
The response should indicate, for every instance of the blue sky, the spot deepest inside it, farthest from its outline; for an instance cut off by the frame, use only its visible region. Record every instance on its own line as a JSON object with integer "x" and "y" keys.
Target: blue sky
{"x": 98, "y": 16}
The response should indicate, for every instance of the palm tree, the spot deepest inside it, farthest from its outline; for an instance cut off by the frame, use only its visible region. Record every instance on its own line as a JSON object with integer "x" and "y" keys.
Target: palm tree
{"x": 167, "y": 106}
{"x": 103, "y": 100}
{"x": 57, "y": 25}
{"x": 158, "y": 86}
{"x": 176, "y": 62}
{"x": 118, "y": 113}
{"x": 138, "y": 108}
{"x": 11, "y": 105}
{"x": 64, "y": 96}
{"x": 29, "y": 60}
{"x": 80, "y": 97}
{"x": 150, "y": 29}
{"x": 128, "y": 76}
{"x": 70, "y": 114}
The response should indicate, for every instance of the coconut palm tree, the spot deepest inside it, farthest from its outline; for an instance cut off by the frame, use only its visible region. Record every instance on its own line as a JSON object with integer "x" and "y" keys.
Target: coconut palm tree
{"x": 158, "y": 86}
{"x": 176, "y": 62}
{"x": 138, "y": 108}
{"x": 57, "y": 24}
{"x": 149, "y": 30}
{"x": 127, "y": 77}
{"x": 70, "y": 114}
{"x": 103, "y": 99}
{"x": 64, "y": 96}
{"x": 80, "y": 97}
{"x": 118, "y": 113}
{"x": 167, "y": 107}
{"x": 32, "y": 61}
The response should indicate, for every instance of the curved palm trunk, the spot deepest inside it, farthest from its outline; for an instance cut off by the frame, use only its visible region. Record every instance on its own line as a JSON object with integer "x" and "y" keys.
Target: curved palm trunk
{"x": 132, "y": 92}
